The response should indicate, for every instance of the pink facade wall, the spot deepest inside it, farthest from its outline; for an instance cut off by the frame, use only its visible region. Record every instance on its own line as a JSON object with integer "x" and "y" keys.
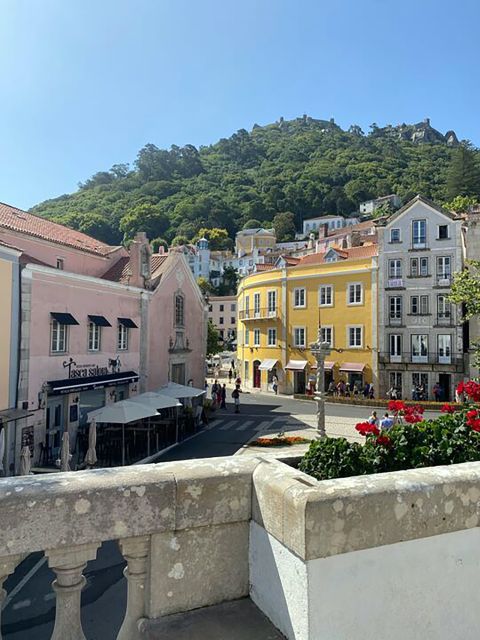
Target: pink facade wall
{"x": 161, "y": 327}
{"x": 59, "y": 293}
{"x": 74, "y": 261}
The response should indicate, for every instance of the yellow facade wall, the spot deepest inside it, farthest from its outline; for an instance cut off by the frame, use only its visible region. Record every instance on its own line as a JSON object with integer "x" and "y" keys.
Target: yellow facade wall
{"x": 5, "y": 330}
{"x": 340, "y": 316}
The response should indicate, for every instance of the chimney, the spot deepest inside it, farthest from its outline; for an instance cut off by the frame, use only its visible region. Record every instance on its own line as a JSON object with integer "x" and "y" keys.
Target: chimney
{"x": 356, "y": 240}
{"x": 140, "y": 253}
{"x": 323, "y": 230}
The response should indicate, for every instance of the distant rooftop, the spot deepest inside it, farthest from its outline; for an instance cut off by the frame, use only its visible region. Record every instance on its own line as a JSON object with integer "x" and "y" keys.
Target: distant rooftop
{"x": 252, "y": 232}
{"x": 23, "y": 222}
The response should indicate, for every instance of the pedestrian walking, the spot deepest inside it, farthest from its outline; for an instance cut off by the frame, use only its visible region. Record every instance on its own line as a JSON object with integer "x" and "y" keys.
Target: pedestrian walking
{"x": 230, "y": 375}
{"x": 236, "y": 398}
{"x": 223, "y": 397}
{"x": 214, "y": 392}
{"x": 275, "y": 384}
{"x": 371, "y": 392}
{"x": 436, "y": 392}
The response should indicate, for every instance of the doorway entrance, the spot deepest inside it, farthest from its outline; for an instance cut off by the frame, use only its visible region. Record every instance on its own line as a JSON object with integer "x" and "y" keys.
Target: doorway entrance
{"x": 444, "y": 380}
{"x": 299, "y": 382}
{"x": 257, "y": 374}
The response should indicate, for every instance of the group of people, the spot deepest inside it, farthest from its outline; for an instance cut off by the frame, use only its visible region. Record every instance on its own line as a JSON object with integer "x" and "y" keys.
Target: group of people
{"x": 344, "y": 389}
{"x": 419, "y": 393}
{"x": 219, "y": 394}
{"x": 384, "y": 423}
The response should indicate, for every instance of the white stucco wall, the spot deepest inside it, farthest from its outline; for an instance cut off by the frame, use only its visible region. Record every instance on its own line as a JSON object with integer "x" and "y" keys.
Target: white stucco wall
{"x": 425, "y": 588}
{"x": 278, "y": 583}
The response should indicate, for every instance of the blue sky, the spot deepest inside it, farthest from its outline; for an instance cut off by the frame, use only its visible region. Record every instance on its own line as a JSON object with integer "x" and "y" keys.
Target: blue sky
{"x": 86, "y": 83}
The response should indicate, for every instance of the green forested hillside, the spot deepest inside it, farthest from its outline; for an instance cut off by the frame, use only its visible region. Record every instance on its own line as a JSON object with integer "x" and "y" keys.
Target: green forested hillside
{"x": 304, "y": 166}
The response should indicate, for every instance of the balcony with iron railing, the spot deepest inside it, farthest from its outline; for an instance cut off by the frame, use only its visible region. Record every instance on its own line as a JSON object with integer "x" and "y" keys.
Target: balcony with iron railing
{"x": 264, "y": 313}
{"x": 430, "y": 358}
{"x": 443, "y": 280}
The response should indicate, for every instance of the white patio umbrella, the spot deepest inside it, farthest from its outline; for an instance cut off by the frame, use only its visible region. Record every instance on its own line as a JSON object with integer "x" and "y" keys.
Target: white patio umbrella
{"x": 156, "y": 400}
{"x": 2, "y": 448}
{"x": 65, "y": 455}
{"x": 122, "y": 412}
{"x": 25, "y": 461}
{"x": 175, "y": 390}
{"x": 91, "y": 455}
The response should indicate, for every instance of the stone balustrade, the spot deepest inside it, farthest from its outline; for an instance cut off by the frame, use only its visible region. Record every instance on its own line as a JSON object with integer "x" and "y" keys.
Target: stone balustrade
{"x": 202, "y": 532}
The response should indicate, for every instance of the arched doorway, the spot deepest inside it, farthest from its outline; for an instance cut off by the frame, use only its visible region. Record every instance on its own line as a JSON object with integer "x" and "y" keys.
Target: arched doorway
{"x": 257, "y": 374}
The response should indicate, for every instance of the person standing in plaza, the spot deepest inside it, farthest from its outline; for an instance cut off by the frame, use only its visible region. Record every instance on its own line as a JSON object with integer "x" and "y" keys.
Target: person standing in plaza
{"x": 275, "y": 385}
{"x": 223, "y": 397}
{"x": 236, "y": 398}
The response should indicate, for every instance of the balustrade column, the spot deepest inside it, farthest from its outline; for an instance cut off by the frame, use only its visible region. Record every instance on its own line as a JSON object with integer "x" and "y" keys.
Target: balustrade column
{"x": 68, "y": 565}
{"x": 136, "y": 552}
{"x": 7, "y": 566}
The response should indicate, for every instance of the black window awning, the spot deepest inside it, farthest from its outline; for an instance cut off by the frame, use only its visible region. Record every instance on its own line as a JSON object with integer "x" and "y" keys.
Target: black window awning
{"x": 128, "y": 323}
{"x": 100, "y": 321}
{"x": 63, "y": 318}
{"x": 72, "y": 385}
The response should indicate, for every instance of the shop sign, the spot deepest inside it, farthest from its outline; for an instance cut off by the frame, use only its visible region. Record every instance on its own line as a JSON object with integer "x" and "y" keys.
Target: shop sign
{"x": 89, "y": 370}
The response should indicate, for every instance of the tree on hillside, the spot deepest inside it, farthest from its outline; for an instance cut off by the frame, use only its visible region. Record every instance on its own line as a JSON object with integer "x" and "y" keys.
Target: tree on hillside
{"x": 144, "y": 217}
{"x": 460, "y": 204}
{"x": 228, "y": 286}
{"x": 252, "y": 224}
{"x": 156, "y": 243}
{"x": 463, "y": 176}
{"x": 284, "y": 225}
{"x": 465, "y": 292}
{"x": 213, "y": 340}
{"x": 218, "y": 239}
{"x": 204, "y": 285}
{"x": 179, "y": 241}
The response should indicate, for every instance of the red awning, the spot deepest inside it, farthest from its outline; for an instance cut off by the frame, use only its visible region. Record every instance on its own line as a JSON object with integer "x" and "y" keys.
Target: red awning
{"x": 352, "y": 367}
{"x": 328, "y": 366}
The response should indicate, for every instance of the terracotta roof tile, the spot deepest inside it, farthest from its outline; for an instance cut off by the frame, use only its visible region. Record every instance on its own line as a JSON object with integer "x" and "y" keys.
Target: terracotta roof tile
{"x": 38, "y": 227}
{"x": 264, "y": 267}
{"x": 354, "y": 253}
{"x": 121, "y": 271}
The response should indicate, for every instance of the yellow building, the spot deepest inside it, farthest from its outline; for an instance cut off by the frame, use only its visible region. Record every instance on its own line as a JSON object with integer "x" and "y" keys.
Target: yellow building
{"x": 279, "y": 312}
{"x": 249, "y": 240}
{"x": 9, "y": 336}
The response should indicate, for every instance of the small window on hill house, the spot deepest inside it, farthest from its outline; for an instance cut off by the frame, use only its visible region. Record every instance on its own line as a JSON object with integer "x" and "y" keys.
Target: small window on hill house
{"x": 443, "y": 232}
{"x": 394, "y": 235}
{"x": 60, "y": 264}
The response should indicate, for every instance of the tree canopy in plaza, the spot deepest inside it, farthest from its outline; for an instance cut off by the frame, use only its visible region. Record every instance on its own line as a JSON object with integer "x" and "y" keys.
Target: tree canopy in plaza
{"x": 272, "y": 175}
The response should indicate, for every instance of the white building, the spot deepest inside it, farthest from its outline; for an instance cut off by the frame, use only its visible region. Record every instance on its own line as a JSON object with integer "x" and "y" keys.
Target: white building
{"x": 312, "y": 225}
{"x": 198, "y": 257}
{"x": 421, "y": 341}
{"x": 369, "y": 206}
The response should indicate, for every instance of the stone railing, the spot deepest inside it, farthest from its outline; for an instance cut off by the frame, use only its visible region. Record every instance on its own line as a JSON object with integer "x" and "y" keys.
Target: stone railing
{"x": 389, "y": 556}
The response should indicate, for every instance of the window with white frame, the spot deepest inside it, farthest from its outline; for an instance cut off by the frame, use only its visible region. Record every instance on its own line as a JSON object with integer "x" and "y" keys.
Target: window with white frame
{"x": 424, "y": 267}
{"x": 419, "y": 344}
{"x": 94, "y": 332}
{"x": 355, "y": 336}
{"x": 394, "y": 269}
{"x": 419, "y": 233}
{"x": 299, "y": 297}
{"x": 355, "y": 293}
{"x": 394, "y": 235}
{"x": 395, "y": 343}
{"x": 443, "y": 232}
{"x": 256, "y": 337}
{"x": 395, "y": 307}
{"x": 326, "y": 295}
{"x": 444, "y": 346}
{"x": 247, "y": 306}
{"x": 444, "y": 267}
{"x": 299, "y": 338}
{"x": 58, "y": 341}
{"x": 180, "y": 310}
{"x": 272, "y": 302}
{"x": 122, "y": 337}
{"x": 414, "y": 267}
{"x": 247, "y": 337}
{"x": 272, "y": 337}
{"x": 419, "y": 305}
{"x": 327, "y": 335}
{"x": 256, "y": 305}
{"x": 443, "y": 307}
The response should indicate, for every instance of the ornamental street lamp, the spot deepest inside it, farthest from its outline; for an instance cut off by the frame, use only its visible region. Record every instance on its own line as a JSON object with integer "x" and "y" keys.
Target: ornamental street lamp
{"x": 319, "y": 350}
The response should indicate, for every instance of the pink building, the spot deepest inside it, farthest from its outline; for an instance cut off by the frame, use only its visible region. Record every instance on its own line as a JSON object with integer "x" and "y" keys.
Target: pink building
{"x": 99, "y": 324}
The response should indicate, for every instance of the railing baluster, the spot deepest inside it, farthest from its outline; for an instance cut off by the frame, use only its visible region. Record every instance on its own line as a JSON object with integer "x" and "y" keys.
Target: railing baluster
{"x": 136, "y": 552}
{"x": 7, "y": 566}
{"x": 68, "y": 565}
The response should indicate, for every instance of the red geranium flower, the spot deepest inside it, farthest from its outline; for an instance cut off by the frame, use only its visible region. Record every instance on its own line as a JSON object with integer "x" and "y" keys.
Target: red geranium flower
{"x": 448, "y": 408}
{"x": 384, "y": 440}
{"x": 396, "y": 405}
{"x": 475, "y": 424}
{"x": 364, "y": 428}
